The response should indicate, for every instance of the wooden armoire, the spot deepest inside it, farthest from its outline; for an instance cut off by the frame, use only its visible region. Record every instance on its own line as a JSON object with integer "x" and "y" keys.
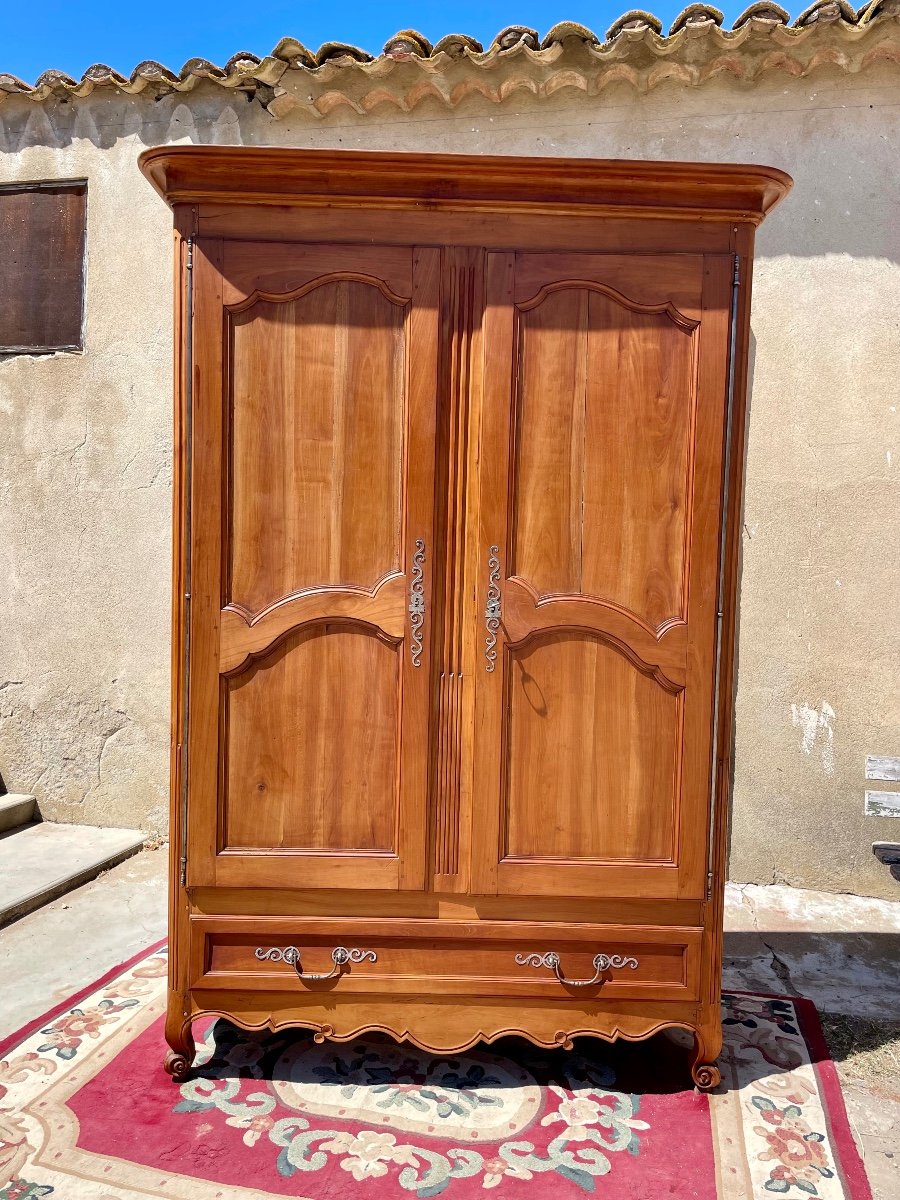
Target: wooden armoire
{"x": 459, "y": 444}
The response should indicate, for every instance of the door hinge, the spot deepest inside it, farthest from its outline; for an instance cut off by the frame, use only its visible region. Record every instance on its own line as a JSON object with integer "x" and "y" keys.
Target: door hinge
{"x": 189, "y": 260}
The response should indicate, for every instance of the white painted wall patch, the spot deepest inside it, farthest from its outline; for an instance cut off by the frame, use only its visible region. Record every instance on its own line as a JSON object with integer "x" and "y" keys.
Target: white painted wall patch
{"x": 883, "y": 804}
{"x": 880, "y": 766}
{"x": 816, "y": 731}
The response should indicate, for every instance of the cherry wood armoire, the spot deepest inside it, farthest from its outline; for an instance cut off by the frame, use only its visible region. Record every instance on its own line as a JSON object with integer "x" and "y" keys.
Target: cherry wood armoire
{"x": 459, "y": 444}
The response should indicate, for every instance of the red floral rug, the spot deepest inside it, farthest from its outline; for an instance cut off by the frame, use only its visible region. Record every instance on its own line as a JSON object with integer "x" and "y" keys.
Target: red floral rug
{"x": 87, "y": 1113}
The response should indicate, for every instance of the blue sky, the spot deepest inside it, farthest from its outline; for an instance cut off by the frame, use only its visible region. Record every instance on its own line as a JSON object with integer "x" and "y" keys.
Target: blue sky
{"x": 71, "y": 36}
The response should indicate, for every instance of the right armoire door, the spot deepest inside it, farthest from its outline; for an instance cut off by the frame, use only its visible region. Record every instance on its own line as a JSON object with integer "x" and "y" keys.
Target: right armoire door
{"x": 603, "y": 412}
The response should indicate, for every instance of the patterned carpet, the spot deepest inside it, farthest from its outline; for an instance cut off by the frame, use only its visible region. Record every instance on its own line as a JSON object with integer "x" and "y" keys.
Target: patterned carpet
{"x": 87, "y": 1113}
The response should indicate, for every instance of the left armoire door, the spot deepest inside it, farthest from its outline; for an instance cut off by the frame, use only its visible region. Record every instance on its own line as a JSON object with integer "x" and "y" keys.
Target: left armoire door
{"x": 313, "y": 398}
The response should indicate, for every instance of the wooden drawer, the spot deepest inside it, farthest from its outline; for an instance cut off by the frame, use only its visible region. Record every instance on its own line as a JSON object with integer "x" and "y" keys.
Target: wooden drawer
{"x": 424, "y": 957}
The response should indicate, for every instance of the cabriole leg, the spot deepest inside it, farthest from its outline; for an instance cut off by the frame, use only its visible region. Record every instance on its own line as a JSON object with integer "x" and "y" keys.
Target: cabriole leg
{"x": 707, "y": 1047}
{"x": 180, "y": 1057}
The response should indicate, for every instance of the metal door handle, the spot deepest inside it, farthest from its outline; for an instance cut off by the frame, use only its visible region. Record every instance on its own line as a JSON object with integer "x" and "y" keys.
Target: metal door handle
{"x": 417, "y": 603}
{"x": 340, "y": 956}
{"x": 493, "y": 609}
{"x": 602, "y": 962}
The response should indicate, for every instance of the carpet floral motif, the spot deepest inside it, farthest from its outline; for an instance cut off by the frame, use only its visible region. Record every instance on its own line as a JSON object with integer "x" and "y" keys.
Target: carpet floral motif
{"x": 66, "y": 1034}
{"x": 571, "y": 1127}
{"x": 788, "y": 1137}
{"x": 63, "y": 1038}
{"x": 278, "y": 1115}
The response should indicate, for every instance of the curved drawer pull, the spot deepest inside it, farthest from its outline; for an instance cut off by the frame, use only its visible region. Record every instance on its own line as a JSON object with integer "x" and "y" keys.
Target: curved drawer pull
{"x": 602, "y": 962}
{"x": 340, "y": 956}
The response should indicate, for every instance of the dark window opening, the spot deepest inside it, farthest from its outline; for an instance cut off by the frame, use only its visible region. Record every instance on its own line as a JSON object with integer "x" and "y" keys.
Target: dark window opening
{"x": 42, "y": 238}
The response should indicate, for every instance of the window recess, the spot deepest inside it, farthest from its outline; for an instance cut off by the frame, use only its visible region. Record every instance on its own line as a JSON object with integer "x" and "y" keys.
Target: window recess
{"x": 42, "y": 266}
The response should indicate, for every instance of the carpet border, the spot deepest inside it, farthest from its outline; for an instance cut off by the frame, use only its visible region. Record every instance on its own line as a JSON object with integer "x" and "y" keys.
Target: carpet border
{"x": 33, "y": 1026}
{"x": 851, "y": 1163}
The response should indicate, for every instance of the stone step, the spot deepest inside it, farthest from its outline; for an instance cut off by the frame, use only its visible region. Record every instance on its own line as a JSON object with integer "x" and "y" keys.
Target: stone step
{"x": 42, "y": 861}
{"x": 15, "y": 810}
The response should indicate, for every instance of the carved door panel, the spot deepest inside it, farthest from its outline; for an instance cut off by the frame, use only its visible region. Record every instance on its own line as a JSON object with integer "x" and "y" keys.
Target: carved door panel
{"x": 314, "y": 393}
{"x": 600, "y": 487}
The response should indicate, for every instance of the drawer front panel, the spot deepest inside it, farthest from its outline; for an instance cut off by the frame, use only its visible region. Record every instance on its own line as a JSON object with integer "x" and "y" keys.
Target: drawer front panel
{"x": 445, "y": 958}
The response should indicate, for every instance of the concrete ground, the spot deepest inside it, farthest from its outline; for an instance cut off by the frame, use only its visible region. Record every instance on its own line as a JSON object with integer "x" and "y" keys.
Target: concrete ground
{"x": 841, "y": 951}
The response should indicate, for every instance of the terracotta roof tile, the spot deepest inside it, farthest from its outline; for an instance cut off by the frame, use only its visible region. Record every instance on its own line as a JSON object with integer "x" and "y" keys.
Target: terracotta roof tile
{"x": 869, "y": 11}
{"x": 457, "y": 44}
{"x": 697, "y": 14}
{"x": 409, "y": 69}
{"x": 827, "y": 10}
{"x": 763, "y": 11}
{"x": 295, "y": 54}
{"x": 634, "y": 21}
{"x": 408, "y": 41}
{"x": 567, "y": 30}
{"x": 332, "y": 51}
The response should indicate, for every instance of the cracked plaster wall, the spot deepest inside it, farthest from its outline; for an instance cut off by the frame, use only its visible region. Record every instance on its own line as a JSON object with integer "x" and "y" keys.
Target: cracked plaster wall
{"x": 87, "y": 473}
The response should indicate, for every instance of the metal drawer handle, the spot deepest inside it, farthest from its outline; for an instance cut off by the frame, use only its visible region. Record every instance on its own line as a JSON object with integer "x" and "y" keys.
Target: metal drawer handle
{"x": 602, "y": 962}
{"x": 340, "y": 956}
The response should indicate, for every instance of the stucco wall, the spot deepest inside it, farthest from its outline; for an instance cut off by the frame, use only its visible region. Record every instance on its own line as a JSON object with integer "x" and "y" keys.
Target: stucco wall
{"x": 86, "y": 475}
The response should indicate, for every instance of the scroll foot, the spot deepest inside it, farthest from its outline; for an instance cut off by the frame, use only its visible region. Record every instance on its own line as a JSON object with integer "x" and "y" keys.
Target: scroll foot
{"x": 180, "y": 1057}
{"x": 177, "y": 1065}
{"x": 706, "y": 1076}
{"x": 707, "y": 1048}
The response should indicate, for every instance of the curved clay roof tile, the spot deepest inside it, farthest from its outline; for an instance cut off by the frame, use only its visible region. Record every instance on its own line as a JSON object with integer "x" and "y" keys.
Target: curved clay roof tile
{"x": 242, "y": 61}
{"x": 569, "y": 30}
{"x": 101, "y": 73}
{"x": 154, "y": 72}
{"x": 294, "y": 53}
{"x": 827, "y": 10}
{"x": 202, "y": 68}
{"x": 53, "y": 79}
{"x": 697, "y": 14}
{"x": 456, "y": 44}
{"x": 512, "y": 35}
{"x": 408, "y": 42}
{"x": 875, "y": 8}
{"x": 763, "y": 11}
{"x": 13, "y": 84}
{"x": 636, "y": 18}
{"x": 333, "y": 50}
